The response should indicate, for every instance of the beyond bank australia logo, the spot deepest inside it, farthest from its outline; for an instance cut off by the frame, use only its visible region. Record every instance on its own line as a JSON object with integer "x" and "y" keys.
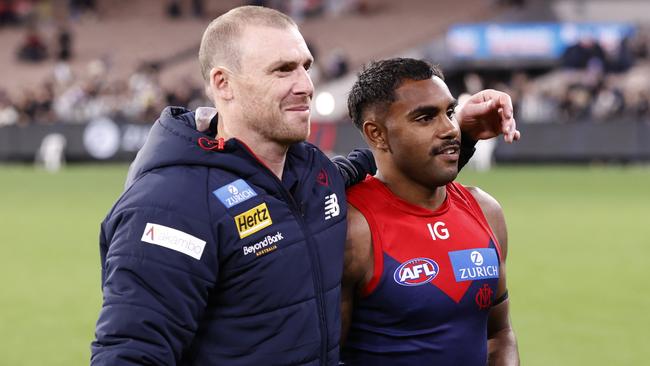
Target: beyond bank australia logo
{"x": 416, "y": 272}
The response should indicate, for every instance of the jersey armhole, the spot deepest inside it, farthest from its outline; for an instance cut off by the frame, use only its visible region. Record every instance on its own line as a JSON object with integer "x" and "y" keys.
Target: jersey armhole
{"x": 478, "y": 212}
{"x": 377, "y": 251}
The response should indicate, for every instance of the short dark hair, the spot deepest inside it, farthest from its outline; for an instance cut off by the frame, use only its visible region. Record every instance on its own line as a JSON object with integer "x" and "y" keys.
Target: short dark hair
{"x": 375, "y": 87}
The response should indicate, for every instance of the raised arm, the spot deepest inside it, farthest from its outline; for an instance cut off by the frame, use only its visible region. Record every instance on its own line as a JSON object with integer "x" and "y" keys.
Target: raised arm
{"x": 356, "y": 166}
{"x": 487, "y": 114}
{"x": 502, "y": 343}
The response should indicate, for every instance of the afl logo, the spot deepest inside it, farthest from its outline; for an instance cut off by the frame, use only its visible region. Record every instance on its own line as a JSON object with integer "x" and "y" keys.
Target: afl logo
{"x": 416, "y": 271}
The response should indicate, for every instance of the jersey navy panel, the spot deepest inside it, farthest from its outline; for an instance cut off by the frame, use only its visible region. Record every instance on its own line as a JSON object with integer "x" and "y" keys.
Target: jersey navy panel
{"x": 436, "y": 273}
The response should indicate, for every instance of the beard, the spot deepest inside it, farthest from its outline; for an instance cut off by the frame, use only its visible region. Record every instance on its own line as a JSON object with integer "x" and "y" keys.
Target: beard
{"x": 276, "y": 126}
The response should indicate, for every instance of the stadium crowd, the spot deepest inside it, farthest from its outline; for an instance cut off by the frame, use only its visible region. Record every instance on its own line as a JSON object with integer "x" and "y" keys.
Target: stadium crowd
{"x": 69, "y": 97}
{"x": 588, "y": 83}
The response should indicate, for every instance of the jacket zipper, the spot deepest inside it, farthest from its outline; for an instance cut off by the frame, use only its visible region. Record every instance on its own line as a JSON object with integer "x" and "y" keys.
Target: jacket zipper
{"x": 311, "y": 248}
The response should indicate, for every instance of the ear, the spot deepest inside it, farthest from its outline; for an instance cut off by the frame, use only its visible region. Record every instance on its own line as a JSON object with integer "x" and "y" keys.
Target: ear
{"x": 220, "y": 84}
{"x": 376, "y": 135}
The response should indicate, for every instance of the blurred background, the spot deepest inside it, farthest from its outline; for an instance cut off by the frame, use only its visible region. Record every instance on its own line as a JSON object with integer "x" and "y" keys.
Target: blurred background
{"x": 82, "y": 81}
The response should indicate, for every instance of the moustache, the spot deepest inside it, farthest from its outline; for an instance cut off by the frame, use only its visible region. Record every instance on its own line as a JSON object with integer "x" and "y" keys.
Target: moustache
{"x": 453, "y": 144}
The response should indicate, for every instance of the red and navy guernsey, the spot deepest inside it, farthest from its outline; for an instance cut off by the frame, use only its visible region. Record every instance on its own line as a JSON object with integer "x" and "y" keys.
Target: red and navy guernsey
{"x": 435, "y": 277}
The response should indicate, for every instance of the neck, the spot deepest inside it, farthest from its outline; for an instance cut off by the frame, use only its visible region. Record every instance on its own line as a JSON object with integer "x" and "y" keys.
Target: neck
{"x": 271, "y": 153}
{"x": 411, "y": 191}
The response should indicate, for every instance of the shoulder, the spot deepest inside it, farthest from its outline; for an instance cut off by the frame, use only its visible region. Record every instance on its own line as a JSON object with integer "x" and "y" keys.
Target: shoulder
{"x": 493, "y": 214}
{"x": 358, "y": 250}
{"x": 489, "y": 205}
{"x": 306, "y": 151}
{"x": 310, "y": 153}
{"x": 311, "y": 160}
{"x": 357, "y": 223}
{"x": 177, "y": 188}
{"x": 360, "y": 190}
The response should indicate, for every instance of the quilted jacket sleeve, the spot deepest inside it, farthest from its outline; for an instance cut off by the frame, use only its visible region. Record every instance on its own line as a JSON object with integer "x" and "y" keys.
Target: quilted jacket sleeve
{"x": 159, "y": 265}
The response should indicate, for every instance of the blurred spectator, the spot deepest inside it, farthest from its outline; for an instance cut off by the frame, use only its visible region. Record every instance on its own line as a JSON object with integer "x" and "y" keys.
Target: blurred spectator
{"x": 8, "y": 113}
{"x": 473, "y": 83}
{"x": 8, "y": 14}
{"x": 79, "y": 8}
{"x": 33, "y": 48}
{"x": 639, "y": 44}
{"x": 638, "y": 103}
{"x": 337, "y": 64}
{"x": 174, "y": 10}
{"x": 16, "y": 12}
{"x": 622, "y": 58}
{"x": 198, "y": 8}
{"x": 64, "y": 40}
{"x": 608, "y": 102}
{"x": 587, "y": 51}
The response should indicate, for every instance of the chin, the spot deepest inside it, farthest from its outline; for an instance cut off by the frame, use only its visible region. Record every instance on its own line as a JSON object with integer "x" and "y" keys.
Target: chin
{"x": 445, "y": 176}
{"x": 291, "y": 138}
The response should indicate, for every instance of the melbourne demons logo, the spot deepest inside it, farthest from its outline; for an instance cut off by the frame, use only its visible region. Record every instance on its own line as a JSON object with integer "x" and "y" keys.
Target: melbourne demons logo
{"x": 484, "y": 297}
{"x": 416, "y": 272}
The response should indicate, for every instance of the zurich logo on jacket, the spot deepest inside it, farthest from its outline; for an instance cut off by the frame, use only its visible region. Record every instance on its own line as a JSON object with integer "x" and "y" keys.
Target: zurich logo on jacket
{"x": 209, "y": 259}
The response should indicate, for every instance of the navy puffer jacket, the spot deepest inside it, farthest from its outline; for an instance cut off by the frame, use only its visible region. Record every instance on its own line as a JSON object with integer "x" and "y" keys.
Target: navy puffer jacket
{"x": 209, "y": 259}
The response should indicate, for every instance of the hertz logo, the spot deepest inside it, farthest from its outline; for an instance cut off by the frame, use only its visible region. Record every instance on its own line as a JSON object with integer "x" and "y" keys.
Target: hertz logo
{"x": 253, "y": 220}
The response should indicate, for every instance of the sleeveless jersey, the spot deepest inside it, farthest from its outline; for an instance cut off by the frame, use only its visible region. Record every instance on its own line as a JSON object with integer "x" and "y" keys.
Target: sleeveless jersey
{"x": 435, "y": 278}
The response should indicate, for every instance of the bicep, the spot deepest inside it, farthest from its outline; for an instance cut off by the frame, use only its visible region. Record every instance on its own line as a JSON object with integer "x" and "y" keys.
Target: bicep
{"x": 357, "y": 265}
{"x": 495, "y": 218}
{"x": 498, "y": 317}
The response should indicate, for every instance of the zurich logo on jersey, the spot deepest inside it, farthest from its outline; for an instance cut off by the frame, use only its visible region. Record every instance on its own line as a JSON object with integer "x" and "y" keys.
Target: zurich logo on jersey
{"x": 475, "y": 264}
{"x": 416, "y": 271}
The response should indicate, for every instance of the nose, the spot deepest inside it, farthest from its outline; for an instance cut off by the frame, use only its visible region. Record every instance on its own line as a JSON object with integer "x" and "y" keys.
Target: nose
{"x": 303, "y": 84}
{"x": 449, "y": 129}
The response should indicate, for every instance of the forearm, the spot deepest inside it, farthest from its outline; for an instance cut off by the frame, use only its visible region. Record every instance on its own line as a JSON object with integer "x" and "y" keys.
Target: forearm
{"x": 502, "y": 348}
{"x": 355, "y": 167}
{"x": 467, "y": 148}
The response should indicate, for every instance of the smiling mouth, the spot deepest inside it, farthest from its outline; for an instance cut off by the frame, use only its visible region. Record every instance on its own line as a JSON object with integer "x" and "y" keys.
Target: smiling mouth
{"x": 301, "y": 108}
{"x": 452, "y": 150}
{"x": 449, "y": 149}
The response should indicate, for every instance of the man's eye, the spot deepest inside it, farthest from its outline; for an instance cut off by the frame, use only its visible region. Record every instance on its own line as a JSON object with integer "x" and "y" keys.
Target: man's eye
{"x": 451, "y": 112}
{"x": 424, "y": 118}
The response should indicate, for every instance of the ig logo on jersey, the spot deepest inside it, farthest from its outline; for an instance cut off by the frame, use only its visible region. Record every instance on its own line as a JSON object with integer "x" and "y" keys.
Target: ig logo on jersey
{"x": 416, "y": 272}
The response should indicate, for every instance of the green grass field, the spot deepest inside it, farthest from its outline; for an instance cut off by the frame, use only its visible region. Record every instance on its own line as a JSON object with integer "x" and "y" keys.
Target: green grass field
{"x": 577, "y": 271}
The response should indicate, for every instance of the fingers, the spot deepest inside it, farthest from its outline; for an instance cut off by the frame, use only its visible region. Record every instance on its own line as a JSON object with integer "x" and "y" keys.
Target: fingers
{"x": 506, "y": 111}
{"x": 504, "y": 102}
{"x": 484, "y": 104}
{"x": 475, "y": 108}
{"x": 487, "y": 101}
{"x": 510, "y": 132}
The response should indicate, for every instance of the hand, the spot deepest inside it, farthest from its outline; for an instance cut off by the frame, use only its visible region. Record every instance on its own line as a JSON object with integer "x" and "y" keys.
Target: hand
{"x": 487, "y": 114}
